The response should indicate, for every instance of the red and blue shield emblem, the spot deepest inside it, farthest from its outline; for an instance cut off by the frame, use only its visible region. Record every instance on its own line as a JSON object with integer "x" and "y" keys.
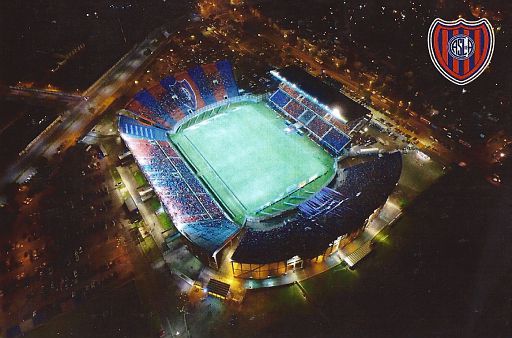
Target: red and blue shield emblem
{"x": 461, "y": 49}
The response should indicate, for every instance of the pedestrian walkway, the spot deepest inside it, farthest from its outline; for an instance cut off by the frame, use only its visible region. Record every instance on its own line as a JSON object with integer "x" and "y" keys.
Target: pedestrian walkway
{"x": 148, "y": 215}
{"x": 363, "y": 251}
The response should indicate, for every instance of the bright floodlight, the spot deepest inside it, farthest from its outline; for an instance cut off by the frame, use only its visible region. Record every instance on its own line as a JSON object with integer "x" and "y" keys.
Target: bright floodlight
{"x": 336, "y": 112}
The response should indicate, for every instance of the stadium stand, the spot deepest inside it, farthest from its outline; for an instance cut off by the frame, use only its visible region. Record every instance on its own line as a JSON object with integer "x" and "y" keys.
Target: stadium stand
{"x": 327, "y": 215}
{"x": 280, "y": 98}
{"x": 335, "y": 140}
{"x": 323, "y": 201}
{"x": 302, "y": 99}
{"x": 319, "y": 127}
{"x": 178, "y": 96}
{"x": 194, "y": 212}
{"x": 313, "y": 106}
{"x": 214, "y": 80}
{"x": 228, "y": 79}
{"x": 326, "y": 134}
{"x": 294, "y": 108}
{"x": 133, "y": 128}
{"x": 307, "y": 116}
{"x": 169, "y": 151}
{"x": 187, "y": 82}
{"x": 320, "y": 92}
{"x": 209, "y": 234}
{"x": 144, "y": 113}
{"x": 159, "y": 93}
{"x": 197, "y": 74}
{"x": 155, "y": 111}
{"x": 289, "y": 90}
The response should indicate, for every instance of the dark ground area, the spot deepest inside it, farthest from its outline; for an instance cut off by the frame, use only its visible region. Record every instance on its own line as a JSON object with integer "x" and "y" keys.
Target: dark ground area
{"x": 20, "y": 123}
{"x": 117, "y": 313}
{"x": 388, "y": 38}
{"x": 444, "y": 271}
{"x": 36, "y": 35}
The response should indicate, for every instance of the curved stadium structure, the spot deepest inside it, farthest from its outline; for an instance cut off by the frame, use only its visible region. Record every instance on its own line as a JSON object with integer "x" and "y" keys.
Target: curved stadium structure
{"x": 259, "y": 182}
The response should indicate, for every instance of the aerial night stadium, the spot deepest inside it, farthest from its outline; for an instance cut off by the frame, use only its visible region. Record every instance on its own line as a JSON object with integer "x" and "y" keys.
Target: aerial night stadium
{"x": 246, "y": 168}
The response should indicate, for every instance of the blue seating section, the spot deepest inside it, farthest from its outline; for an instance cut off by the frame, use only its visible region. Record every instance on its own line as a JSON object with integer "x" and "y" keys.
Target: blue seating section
{"x": 335, "y": 140}
{"x": 280, "y": 98}
{"x": 296, "y": 107}
{"x": 133, "y": 128}
{"x": 226, "y": 71}
{"x": 330, "y": 213}
{"x": 147, "y": 100}
{"x": 306, "y": 116}
{"x": 180, "y": 93}
{"x": 171, "y": 100}
{"x": 197, "y": 74}
{"x": 194, "y": 212}
{"x": 210, "y": 234}
{"x": 323, "y": 201}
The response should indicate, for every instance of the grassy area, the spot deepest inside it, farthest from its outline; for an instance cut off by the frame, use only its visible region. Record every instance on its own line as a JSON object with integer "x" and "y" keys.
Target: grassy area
{"x": 248, "y": 160}
{"x": 150, "y": 249}
{"x": 139, "y": 178}
{"x": 165, "y": 221}
{"x": 163, "y": 218}
{"x": 154, "y": 203}
{"x": 136, "y": 224}
{"x": 115, "y": 175}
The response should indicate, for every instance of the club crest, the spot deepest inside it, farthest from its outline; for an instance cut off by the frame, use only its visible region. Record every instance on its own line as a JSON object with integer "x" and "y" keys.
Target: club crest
{"x": 186, "y": 95}
{"x": 461, "y": 49}
{"x": 181, "y": 92}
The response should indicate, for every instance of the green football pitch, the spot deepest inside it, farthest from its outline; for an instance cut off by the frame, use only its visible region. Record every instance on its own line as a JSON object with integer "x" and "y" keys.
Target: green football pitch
{"x": 248, "y": 160}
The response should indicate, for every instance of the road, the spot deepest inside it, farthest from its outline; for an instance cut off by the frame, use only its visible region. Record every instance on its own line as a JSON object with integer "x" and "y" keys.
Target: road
{"x": 76, "y": 120}
{"x": 44, "y": 94}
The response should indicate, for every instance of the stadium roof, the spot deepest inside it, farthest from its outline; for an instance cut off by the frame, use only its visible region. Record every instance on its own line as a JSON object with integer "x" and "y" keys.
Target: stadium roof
{"x": 348, "y": 108}
{"x": 210, "y": 235}
{"x": 362, "y": 189}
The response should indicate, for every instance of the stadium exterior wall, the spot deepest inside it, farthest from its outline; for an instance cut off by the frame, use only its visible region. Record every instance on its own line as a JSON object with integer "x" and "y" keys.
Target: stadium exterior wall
{"x": 280, "y": 268}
